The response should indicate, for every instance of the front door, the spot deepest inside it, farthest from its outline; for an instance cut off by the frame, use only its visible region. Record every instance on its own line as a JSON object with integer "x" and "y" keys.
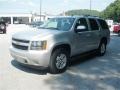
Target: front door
{"x": 83, "y": 38}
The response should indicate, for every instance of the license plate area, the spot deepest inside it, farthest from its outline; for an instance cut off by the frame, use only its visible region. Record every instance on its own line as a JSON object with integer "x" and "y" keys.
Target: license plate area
{"x": 21, "y": 60}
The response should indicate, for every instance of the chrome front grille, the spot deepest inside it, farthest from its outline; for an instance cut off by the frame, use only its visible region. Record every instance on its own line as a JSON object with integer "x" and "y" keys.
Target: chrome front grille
{"x": 24, "y": 41}
{"x": 20, "y": 44}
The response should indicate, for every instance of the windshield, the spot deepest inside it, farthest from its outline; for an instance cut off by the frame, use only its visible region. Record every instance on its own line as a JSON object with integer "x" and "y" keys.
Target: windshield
{"x": 63, "y": 24}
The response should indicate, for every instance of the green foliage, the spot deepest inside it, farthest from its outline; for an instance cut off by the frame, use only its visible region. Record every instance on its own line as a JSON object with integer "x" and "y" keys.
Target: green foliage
{"x": 82, "y": 12}
{"x": 112, "y": 11}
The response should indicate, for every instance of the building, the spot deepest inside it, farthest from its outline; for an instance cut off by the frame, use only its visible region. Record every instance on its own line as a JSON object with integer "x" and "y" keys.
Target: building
{"x": 17, "y": 18}
{"x": 36, "y": 17}
{"x": 21, "y": 18}
{"x": 44, "y": 17}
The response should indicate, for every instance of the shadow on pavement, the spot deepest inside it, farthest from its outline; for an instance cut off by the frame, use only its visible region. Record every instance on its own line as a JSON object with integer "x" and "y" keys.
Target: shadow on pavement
{"x": 95, "y": 73}
{"x": 75, "y": 61}
{"x": 79, "y": 59}
{"x": 90, "y": 72}
{"x": 28, "y": 69}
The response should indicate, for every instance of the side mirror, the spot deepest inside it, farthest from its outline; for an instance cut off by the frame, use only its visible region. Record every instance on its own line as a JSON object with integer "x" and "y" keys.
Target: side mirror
{"x": 80, "y": 28}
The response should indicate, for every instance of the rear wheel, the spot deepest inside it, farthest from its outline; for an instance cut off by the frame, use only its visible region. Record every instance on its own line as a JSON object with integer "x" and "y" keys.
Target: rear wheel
{"x": 59, "y": 61}
{"x": 102, "y": 48}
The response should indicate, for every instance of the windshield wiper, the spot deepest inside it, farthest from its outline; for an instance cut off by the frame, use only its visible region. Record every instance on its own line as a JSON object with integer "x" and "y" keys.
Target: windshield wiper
{"x": 52, "y": 28}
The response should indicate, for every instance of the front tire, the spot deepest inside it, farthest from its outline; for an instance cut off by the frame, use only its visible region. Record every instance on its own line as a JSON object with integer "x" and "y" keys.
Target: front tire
{"x": 59, "y": 61}
{"x": 102, "y": 49}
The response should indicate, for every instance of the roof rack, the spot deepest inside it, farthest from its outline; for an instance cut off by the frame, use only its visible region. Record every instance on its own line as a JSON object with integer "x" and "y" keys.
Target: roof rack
{"x": 87, "y": 16}
{"x": 91, "y": 16}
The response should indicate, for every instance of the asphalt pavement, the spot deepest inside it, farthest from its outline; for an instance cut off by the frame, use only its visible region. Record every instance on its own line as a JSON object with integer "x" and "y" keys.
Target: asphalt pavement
{"x": 86, "y": 73}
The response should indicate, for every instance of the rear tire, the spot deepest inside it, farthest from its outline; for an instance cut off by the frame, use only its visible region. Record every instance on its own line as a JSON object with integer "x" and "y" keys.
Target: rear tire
{"x": 59, "y": 61}
{"x": 102, "y": 48}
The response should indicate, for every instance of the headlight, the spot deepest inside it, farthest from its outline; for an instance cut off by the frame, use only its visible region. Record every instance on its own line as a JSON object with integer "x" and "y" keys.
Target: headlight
{"x": 38, "y": 45}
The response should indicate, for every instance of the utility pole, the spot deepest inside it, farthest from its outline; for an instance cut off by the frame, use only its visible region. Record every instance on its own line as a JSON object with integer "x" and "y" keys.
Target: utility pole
{"x": 90, "y": 6}
{"x": 40, "y": 9}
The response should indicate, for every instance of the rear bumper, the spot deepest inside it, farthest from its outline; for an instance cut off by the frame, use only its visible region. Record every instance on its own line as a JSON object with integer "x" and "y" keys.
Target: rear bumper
{"x": 31, "y": 58}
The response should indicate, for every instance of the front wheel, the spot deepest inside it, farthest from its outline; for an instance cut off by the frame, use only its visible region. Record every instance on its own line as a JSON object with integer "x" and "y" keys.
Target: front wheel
{"x": 102, "y": 49}
{"x": 59, "y": 61}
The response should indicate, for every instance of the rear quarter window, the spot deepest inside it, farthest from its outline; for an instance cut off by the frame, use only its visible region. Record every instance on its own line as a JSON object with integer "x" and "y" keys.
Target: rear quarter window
{"x": 103, "y": 24}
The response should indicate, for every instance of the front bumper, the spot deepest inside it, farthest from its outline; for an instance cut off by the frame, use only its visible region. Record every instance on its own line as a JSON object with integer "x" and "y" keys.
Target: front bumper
{"x": 31, "y": 58}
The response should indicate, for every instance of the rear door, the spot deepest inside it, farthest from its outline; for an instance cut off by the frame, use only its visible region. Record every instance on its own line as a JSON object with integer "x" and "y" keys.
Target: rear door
{"x": 105, "y": 32}
{"x": 94, "y": 33}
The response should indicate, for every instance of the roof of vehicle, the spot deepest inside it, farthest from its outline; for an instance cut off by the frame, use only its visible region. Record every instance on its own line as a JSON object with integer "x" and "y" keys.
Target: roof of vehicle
{"x": 87, "y": 16}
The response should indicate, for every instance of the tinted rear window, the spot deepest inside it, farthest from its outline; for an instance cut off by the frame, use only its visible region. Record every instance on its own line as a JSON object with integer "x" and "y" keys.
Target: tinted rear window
{"x": 93, "y": 24}
{"x": 103, "y": 24}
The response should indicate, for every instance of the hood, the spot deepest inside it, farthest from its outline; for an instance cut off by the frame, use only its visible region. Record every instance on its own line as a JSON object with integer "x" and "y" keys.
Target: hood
{"x": 32, "y": 34}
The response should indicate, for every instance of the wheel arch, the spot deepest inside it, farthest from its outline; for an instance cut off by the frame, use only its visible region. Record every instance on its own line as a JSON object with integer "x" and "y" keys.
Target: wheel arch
{"x": 104, "y": 39}
{"x": 65, "y": 46}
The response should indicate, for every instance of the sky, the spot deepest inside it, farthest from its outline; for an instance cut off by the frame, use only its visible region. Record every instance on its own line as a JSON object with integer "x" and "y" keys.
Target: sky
{"x": 50, "y": 6}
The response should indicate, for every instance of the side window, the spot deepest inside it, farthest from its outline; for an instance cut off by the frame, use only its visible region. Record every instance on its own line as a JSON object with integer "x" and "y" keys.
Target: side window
{"x": 103, "y": 24}
{"x": 82, "y": 22}
{"x": 93, "y": 24}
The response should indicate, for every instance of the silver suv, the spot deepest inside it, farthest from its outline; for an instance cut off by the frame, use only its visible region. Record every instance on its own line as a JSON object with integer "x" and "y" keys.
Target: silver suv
{"x": 58, "y": 39}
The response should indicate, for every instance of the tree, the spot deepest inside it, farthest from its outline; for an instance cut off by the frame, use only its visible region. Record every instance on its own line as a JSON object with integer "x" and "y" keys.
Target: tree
{"x": 112, "y": 11}
{"x": 83, "y": 12}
